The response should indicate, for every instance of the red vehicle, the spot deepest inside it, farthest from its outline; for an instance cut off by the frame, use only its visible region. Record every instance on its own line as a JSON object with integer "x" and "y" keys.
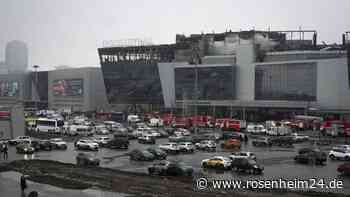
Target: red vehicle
{"x": 232, "y": 124}
{"x": 344, "y": 169}
{"x": 336, "y": 127}
{"x": 202, "y": 121}
{"x": 168, "y": 119}
{"x": 219, "y": 122}
{"x": 181, "y": 122}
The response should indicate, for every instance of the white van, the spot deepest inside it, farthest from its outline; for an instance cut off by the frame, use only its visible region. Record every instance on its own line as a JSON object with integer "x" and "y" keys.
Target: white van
{"x": 256, "y": 129}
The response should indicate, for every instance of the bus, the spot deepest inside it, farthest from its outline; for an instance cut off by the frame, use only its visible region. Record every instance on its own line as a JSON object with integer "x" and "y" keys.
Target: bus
{"x": 49, "y": 125}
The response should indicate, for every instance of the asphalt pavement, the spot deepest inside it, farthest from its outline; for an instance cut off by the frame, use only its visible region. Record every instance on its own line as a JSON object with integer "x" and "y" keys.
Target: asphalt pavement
{"x": 278, "y": 162}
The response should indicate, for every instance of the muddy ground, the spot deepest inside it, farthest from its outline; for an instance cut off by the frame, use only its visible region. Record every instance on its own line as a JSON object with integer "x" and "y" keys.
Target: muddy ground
{"x": 71, "y": 176}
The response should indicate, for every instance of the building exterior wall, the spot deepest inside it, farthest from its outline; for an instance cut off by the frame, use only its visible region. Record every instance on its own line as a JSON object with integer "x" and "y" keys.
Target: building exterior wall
{"x": 14, "y": 125}
{"x": 92, "y": 87}
{"x": 245, "y": 72}
{"x": 18, "y": 82}
{"x": 333, "y": 91}
{"x": 329, "y": 83}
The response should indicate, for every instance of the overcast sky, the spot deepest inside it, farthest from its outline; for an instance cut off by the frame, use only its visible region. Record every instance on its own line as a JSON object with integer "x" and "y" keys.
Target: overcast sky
{"x": 68, "y": 32}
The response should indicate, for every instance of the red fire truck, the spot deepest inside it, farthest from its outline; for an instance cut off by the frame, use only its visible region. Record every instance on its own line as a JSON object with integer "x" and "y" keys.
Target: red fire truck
{"x": 233, "y": 124}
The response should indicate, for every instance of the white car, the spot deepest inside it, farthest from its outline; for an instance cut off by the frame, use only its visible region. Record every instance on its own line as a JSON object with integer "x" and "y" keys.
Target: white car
{"x": 101, "y": 130}
{"x": 256, "y": 129}
{"x": 170, "y": 147}
{"x": 19, "y": 140}
{"x": 342, "y": 146}
{"x": 58, "y": 143}
{"x": 102, "y": 140}
{"x": 151, "y": 132}
{"x": 206, "y": 145}
{"x": 247, "y": 155}
{"x": 155, "y": 122}
{"x": 183, "y": 132}
{"x": 87, "y": 145}
{"x": 186, "y": 147}
{"x": 299, "y": 138}
{"x": 339, "y": 154}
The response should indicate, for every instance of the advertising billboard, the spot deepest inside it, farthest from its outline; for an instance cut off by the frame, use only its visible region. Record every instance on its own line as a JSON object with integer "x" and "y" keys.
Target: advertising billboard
{"x": 9, "y": 88}
{"x": 68, "y": 87}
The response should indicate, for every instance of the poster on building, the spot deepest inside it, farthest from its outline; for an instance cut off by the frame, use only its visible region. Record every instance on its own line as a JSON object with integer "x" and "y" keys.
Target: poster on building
{"x": 68, "y": 87}
{"x": 9, "y": 88}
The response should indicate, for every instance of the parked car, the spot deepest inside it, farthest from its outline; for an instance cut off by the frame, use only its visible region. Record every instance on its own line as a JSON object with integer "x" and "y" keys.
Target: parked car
{"x": 198, "y": 138}
{"x": 176, "y": 138}
{"x": 58, "y": 143}
{"x": 256, "y": 129}
{"x": 299, "y": 138}
{"x": 19, "y": 140}
{"x": 262, "y": 141}
{"x": 310, "y": 155}
{"x": 187, "y": 147}
{"x": 163, "y": 133}
{"x": 102, "y": 141}
{"x": 231, "y": 144}
{"x": 246, "y": 165}
{"x": 231, "y": 135}
{"x": 339, "y": 154}
{"x": 86, "y": 145}
{"x": 342, "y": 146}
{"x": 207, "y": 145}
{"x": 118, "y": 143}
{"x": 84, "y": 159}
{"x": 217, "y": 162}
{"x": 169, "y": 168}
{"x": 344, "y": 169}
{"x": 170, "y": 147}
{"x": 41, "y": 145}
{"x": 282, "y": 141}
{"x": 247, "y": 155}
{"x": 158, "y": 153}
{"x": 146, "y": 139}
{"x": 182, "y": 131}
{"x": 141, "y": 155}
{"x": 102, "y": 131}
{"x": 25, "y": 148}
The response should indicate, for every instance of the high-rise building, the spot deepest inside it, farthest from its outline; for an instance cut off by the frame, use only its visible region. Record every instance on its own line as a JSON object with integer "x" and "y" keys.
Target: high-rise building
{"x": 16, "y": 55}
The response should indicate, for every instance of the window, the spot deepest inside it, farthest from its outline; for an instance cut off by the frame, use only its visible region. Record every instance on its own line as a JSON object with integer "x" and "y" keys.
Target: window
{"x": 214, "y": 83}
{"x": 132, "y": 83}
{"x": 295, "y": 81}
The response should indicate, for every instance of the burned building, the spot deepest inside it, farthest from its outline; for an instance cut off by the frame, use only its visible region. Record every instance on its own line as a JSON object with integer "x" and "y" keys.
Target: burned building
{"x": 232, "y": 73}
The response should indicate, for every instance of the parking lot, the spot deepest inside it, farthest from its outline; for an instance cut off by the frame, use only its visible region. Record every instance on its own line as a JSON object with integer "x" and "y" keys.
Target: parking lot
{"x": 278, "y": 162}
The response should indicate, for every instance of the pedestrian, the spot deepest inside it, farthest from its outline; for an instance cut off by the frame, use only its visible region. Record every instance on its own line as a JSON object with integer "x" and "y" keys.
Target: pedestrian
{"x": 245, "y": 138}
{"x": 23, "y": 183}
{"x": 5, "y": 151}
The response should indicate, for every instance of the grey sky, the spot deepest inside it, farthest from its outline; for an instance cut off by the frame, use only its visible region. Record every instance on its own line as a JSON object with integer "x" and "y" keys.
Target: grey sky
{"x": 68, "y": 32}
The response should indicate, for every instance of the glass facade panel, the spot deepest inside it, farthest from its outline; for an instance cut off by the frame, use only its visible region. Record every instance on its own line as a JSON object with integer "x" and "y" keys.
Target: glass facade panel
{"x": 128, "y": 82}
{"x": 214, "y": 83}
{"x": 286, "y": 82}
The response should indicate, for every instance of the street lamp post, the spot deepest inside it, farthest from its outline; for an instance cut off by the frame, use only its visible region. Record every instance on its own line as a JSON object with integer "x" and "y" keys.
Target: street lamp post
{"x": 36, "y": 85}
{"x": 196, "y": 98}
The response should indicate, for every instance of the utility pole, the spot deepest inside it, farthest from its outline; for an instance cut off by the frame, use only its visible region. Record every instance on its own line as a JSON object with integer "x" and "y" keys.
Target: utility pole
{"x": 196, "y": 98}
{"x": 195, "y": 59}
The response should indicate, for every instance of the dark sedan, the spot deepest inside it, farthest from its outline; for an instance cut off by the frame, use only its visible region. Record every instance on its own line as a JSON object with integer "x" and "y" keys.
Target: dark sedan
{"x": 25, "y": 149}
{"x": 158, "y": 153}
{"x": 141, "y": 155}
{"x": 168, "y": 168}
